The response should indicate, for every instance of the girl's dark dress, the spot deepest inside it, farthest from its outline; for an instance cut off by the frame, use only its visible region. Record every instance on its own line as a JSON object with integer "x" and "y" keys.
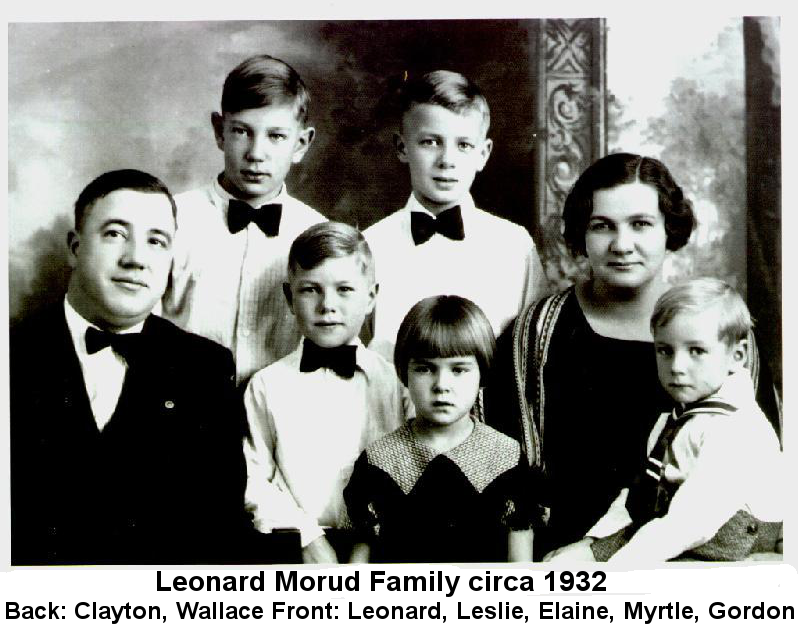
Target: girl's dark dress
{"x": 602, "y": 397}
{"x": 413, "y": 504}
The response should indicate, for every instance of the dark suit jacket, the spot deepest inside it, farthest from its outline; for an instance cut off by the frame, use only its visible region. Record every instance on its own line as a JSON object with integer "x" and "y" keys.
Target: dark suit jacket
{"x": 164, "y": 480}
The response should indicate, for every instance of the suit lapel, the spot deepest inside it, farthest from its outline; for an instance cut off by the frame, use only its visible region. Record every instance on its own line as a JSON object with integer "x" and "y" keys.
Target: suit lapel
{"x": 69, "y": 388}
{"x": 152, "y": 382}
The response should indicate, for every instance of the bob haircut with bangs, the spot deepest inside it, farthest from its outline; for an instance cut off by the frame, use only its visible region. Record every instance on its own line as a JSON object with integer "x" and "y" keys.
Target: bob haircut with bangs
{"x": 696, "y": 297}
{"x": 444, "y": 327}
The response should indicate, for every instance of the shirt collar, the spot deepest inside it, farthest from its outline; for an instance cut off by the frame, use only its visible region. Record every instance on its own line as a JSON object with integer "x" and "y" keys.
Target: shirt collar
{"x": 466, "y": 204}
{"x": 737, "y": 389}
{"x": 78, "y": 325}
{"x": 221, "y": 197}
{"x": 364, "y": 357}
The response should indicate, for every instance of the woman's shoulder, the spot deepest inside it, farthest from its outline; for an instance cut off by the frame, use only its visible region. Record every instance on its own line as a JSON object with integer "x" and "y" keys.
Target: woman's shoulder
{"x": 545, "y": 311}
{"x": 549, "y": 301}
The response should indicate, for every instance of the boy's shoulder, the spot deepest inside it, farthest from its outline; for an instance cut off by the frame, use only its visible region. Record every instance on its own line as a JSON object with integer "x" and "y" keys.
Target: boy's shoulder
{"x": 299, "y": 214}
{"x": 197, "y": 209}
{"x": 199, "y": 196}
{"x": 386, "y": 226}
{"x": 375, "y": 364}
{"x": 732, "y": 415}
{"x": 497, "y": 228}
{"x": 278, "y": 372}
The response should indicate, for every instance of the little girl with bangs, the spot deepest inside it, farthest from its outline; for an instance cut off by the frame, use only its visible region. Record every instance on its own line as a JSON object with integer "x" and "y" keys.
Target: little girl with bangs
{"x": 444, "y": 487}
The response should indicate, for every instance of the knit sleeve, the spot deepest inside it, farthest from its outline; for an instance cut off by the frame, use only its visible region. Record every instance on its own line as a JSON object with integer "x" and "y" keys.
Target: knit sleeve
{"x": 522, "y": 508}
{"x": 361, "y": 505}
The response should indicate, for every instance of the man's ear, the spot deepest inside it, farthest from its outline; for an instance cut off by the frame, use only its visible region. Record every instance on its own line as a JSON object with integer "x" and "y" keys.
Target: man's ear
{"x": 400, "y": 146}
{"x": 304, "y": 140}
{"x": 289, "y": 297}
{"x": 73, "y": 240}
{"x": 217, "y": 122}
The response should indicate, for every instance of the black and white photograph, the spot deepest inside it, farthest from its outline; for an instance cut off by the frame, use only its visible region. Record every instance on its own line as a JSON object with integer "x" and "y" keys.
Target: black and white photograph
{"x": 329, "y": 291}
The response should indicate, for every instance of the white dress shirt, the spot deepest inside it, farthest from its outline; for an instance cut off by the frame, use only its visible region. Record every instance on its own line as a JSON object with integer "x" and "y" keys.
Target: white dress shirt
{"x": 103, "y": 372}
{"x": 229, "y": 287}
{"x": 496, "y": 266}
{"x": 307, "y": 430}
{"x": 723, "y": 464}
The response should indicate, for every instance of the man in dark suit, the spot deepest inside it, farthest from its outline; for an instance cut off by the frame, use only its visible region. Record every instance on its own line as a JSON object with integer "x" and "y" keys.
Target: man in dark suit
{"x": 126, "y": 431}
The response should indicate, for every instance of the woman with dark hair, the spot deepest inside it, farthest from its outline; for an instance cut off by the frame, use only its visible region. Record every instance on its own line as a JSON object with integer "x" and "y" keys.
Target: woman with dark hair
{"x": 575, "y": 379}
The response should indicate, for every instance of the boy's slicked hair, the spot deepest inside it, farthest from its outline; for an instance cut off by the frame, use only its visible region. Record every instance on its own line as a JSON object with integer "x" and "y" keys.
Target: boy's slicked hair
{"x": 699, "y": 295}
{"x": 126, "y": 179}
{"x": 444, "y": 327}
{"x": 622, "y": 168}
{"x": 329, "y": 240}
{"x": 447, "y": 89}
{"x": 261, "y": 81}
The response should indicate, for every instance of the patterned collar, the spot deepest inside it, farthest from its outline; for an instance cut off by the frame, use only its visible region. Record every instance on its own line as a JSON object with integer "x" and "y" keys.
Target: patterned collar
{"x": 482, "y": 457}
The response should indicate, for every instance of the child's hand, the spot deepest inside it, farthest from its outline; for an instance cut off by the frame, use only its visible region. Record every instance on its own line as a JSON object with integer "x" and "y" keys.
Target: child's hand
{"x": 319, "y": 551}
{"x": 360, "y": 553}
{"x": 578, "y": 551}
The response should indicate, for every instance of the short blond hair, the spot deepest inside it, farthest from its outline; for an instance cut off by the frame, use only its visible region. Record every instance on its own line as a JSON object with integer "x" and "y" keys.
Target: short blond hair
{"x": 699, "y": 295}
{"x": 447, "y": 89}
{"x": 325, "y": 240}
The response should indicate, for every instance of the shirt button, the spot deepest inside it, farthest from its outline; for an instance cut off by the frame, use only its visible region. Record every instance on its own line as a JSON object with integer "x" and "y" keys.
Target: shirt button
{"x": 169, "y": 404}
{"x": 245, "y": 332}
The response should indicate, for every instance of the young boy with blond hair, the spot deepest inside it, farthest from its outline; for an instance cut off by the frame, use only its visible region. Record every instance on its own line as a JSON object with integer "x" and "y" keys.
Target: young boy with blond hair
{"x": 234, "y": 234}
{"x": 440, "y": 242}
{"x": 707, "y": 489}
{"x": 311, "y": 413}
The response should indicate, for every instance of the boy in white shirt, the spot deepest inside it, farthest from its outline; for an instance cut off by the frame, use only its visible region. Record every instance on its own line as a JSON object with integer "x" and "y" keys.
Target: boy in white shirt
{"x": 707, "y": 489}
{"x": 231, "y": 248}
{"x": 440, "y": 242}
{"x": 311, "y": 413}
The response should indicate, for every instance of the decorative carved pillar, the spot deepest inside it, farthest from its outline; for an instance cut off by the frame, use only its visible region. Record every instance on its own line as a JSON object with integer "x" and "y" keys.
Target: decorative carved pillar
{"x": 571, "y": 119}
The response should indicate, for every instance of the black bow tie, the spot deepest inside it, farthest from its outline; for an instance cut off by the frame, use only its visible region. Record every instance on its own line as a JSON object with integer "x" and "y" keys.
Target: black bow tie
{"x": 267, "y": 217}
{"x": 126, "y": 345}
{"x": 448, "y": 223}
{"x": 340, "y": 359}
